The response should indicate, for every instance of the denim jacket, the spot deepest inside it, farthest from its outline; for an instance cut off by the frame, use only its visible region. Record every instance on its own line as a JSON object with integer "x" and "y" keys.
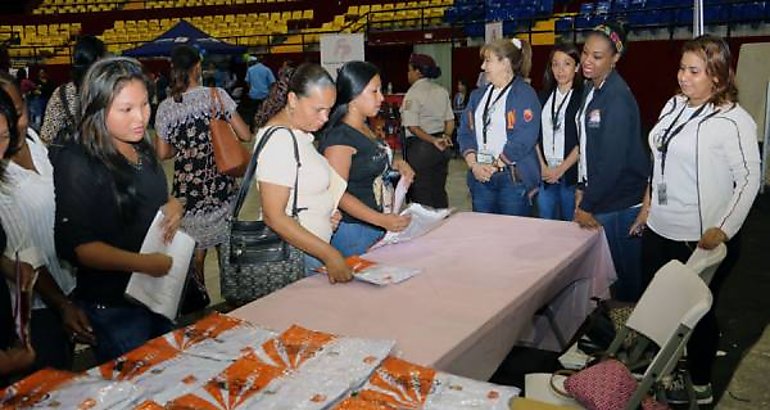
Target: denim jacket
{"x": 522, "y": 111}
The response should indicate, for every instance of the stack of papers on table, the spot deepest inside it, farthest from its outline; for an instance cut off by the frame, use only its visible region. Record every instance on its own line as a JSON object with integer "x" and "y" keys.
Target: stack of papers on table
{"x": 423, "y": 221}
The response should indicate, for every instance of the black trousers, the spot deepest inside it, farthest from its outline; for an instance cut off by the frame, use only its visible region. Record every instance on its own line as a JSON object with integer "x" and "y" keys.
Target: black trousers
{"x": 704, "y": 341}
{"x": 248, "y": 109}
{"x": 430, "y": 167}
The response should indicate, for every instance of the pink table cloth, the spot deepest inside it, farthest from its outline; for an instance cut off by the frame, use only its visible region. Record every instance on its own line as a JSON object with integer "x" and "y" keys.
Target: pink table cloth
{"x": 483, "y": 278}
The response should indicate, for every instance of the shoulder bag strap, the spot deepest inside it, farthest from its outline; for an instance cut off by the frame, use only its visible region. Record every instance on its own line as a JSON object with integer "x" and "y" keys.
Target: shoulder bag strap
{"x": 216, "y": 102}
{"x": 251, "y": 170}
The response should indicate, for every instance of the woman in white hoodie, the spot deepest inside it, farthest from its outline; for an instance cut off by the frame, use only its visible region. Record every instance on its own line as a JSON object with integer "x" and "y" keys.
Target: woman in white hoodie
{"x": 704, "y": 180}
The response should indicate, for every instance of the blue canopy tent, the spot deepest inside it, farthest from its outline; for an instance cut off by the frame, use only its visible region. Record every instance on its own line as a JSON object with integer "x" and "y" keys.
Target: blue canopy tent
{"x": 183, "y": 33}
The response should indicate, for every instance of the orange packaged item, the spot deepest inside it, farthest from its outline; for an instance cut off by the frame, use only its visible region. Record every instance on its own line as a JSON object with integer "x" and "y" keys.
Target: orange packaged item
{"x": 232, "y": 388}
{"x": 300, "y": 369}
{"x": 181, "y": 361}
{"x": 376, "y": 273}
{"x": 50, "y": 388}
{"x": 398, "y": 384}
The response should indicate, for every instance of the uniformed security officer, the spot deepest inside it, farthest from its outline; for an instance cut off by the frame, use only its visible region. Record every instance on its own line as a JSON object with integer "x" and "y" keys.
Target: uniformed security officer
{"x": 427, "y": 115}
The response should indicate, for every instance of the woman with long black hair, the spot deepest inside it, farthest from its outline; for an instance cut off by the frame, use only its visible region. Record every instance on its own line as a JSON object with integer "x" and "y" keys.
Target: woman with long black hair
{"x": 109, "y": 187}
{"x": 558, "y": 147}
{"x": 356, "y": 153}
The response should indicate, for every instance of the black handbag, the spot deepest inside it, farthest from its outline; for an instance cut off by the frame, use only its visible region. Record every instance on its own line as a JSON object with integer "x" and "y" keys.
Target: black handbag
{"x": 195, "y": 297}
{"x": 256, "y": 261}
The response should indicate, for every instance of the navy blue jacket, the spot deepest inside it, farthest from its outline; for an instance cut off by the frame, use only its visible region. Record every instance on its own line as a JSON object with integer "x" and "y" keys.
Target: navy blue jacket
{"x": 522, "y": 112}
{"x": 618, "y": 162}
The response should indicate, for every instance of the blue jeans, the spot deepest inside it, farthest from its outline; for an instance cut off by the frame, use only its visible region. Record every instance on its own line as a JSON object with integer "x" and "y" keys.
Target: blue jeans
{"x": 120, "y": 329}
{"x": 311, "y": 264}
{"x": 355, "y": 238}
{"x": 500, "y": 195}
{"x": 556, "y": 201}
{"x": 626, "y": 253}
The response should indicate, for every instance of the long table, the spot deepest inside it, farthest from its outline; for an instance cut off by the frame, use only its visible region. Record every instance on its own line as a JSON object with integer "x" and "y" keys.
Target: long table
{"x": 483, "y": 278}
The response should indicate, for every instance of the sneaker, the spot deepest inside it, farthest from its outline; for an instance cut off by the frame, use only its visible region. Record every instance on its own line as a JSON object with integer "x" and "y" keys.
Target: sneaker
{"x": 676, "y": 391}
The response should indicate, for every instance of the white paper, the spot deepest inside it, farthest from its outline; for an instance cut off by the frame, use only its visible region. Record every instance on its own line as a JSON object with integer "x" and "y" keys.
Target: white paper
{"x": 423, "y": 221}
{"x": 383, "y": 275}
{"x": 400, "y": 194}
{"x": 162, "y": 294}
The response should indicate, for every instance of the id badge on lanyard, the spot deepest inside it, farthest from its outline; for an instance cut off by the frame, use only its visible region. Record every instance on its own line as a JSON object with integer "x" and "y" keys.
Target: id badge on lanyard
{"x": 485, "y": 157}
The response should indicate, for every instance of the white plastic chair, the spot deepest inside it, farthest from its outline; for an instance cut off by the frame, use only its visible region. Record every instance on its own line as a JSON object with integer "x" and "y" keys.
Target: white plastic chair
{"x": 669, "y": 309}
{"x": 706, "y": 262}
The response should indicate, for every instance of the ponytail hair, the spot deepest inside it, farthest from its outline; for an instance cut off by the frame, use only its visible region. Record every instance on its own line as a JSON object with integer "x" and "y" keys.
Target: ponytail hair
{"x": 183, "y": 59}
{"x": 352, "y": 79}
{"x": 300, "y": 81}
{"x": 516, "y": 50}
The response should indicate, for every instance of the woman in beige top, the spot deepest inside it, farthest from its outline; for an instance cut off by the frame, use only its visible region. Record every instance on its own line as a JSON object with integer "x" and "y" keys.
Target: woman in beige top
{"x": 300, "y": 101}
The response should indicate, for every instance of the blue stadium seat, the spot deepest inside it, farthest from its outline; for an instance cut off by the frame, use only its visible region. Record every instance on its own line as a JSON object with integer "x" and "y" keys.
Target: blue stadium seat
{"x": 564, "y": 24}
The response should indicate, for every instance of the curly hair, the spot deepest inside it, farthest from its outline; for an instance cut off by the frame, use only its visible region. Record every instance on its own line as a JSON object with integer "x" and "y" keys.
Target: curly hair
{"x": 298, "y": 81}
{"x": 183, "y": 59}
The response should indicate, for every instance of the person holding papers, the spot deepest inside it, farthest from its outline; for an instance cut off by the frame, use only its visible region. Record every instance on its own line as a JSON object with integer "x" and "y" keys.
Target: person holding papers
{"x": 499, "y": 131}
{"x": 367, "y": 163}
{"x": 109, "y": 187}
{"x": 27, "y": 212}
{"x": 12, "y": 358}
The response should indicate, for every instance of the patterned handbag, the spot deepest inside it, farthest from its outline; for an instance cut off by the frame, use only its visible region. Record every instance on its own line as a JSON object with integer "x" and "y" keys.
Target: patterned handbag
{"x": 605, "y": 385}
{"x": 256, "y": 261}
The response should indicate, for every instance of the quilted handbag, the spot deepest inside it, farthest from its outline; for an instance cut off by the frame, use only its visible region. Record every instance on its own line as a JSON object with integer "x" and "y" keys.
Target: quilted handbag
{"x": 605, "y": 385}
{"x": 230, "y": 155}
{"x": 255, "y": 261}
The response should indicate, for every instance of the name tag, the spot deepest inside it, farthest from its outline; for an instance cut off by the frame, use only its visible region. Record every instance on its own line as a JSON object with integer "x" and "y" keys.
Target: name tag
{"x": 594, "y": 118}
{"x": 485, "y": 157}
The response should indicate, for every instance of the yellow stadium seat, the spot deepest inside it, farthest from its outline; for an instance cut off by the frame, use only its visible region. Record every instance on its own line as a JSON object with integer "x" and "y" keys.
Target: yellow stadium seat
{"x": 307, "y": 15}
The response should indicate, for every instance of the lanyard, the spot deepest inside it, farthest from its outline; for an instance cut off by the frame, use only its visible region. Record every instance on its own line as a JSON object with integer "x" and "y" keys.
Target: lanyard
{"x": 485, "y": 115}
{"x": 555, "y": 112}
{"x": 669, "y": 135}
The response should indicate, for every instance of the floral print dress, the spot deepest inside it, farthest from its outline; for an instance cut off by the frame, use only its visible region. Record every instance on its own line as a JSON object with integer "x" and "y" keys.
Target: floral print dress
{"x": 205, "y": 193}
